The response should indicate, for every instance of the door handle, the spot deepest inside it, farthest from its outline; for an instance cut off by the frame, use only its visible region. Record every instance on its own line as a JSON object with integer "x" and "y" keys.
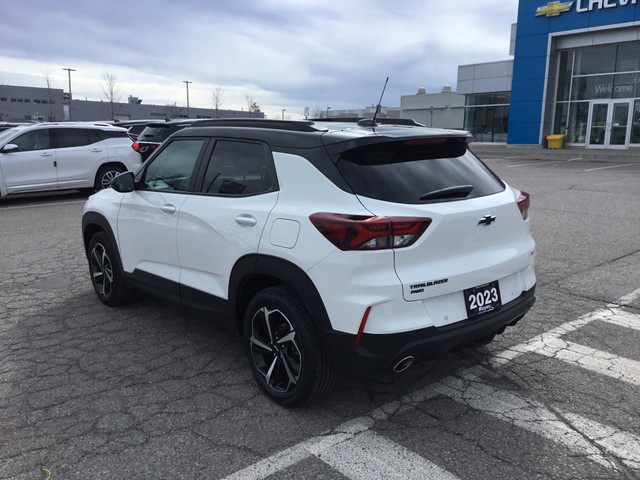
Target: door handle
{"x": 246, "y": 220}
{"x": 168, "y": 209}
{"x": 96, "y": 149}
{"x": 46, "y": 154}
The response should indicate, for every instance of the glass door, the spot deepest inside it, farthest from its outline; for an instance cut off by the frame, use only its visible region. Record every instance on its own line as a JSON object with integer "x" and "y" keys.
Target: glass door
{"x": 609, "y": 124}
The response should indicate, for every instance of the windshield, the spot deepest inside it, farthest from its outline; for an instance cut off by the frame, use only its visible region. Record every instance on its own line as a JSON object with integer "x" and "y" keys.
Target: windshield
{"x": 7, "y": 134}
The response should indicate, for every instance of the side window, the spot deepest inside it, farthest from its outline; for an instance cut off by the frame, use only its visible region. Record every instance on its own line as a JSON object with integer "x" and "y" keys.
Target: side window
{"x": 239, "y": 168}
{"x": 173, "y": 168}
{"x": 72, "y": 137}
{"x": 33, "y": 140}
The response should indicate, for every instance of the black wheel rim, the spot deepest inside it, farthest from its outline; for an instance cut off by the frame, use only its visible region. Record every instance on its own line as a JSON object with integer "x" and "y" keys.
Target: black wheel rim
{"x": 101, "y": 270}
{"x": 274, "y": 350}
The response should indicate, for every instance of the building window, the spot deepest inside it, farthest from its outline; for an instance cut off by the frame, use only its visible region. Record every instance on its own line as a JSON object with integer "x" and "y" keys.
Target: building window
{"x": 486, "y": 116}
{"x": 607, "y": 72}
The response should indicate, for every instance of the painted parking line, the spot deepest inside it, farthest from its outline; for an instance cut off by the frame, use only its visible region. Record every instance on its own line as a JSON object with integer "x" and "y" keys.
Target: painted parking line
{"x": 369, "y": 455}
{"x": 612, "y": 166}
{"x": 354, "y": 450}
{"x": 56, "y": 204}
{"x": 532, "y": 416}
{"x": 538, "y": 162}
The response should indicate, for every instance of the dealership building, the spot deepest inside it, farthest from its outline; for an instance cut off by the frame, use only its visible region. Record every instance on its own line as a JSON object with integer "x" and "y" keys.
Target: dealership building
{"x": 576, "y": 72}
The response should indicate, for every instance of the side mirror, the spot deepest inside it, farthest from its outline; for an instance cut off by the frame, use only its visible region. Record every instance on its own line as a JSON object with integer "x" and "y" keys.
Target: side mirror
{"x": 9, "y": 147}
{"x": 123, "y": 183}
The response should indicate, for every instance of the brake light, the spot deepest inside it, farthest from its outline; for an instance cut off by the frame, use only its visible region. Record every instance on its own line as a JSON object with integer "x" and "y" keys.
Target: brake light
{"x": 524, "y": 202}
{"x": 359, "y": 232}
{"x": 136, "y": 146}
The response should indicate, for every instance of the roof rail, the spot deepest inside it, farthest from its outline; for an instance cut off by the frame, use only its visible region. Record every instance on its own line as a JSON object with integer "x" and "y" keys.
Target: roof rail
{"x": 379, "y": 121}
{"x": 292, "y": 125}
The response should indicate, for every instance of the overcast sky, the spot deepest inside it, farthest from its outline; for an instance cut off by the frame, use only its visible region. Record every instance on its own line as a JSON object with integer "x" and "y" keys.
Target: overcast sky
{"x": 286, "y": 54}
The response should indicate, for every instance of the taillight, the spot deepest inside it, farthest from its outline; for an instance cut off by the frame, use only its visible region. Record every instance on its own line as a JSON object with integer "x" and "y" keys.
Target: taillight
{"x": 524, "y": 202}
{"x": 359, "y": 232}
{"x": 136, "y": 146}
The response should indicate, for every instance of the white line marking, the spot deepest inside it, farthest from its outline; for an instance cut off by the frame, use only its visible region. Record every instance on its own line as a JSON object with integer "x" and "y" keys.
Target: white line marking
{"x": 42, "y": 205}
{"x": 612, "y": 166}
{"x": 534, "y": 163}
{"x": 604, "y": 363}
{"x": 521, "y": 412}
{"x": 369, "y": 455}
{"x": 630, "y": 297}
{"x": 538, "y": 162}
{"x": 625, "y": 445}
{"x": 368, "y": 450}
{"x": 625, "y": 319}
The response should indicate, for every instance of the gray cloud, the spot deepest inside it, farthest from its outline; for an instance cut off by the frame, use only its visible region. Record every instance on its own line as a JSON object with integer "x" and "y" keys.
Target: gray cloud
{"x": 288, "y": 53}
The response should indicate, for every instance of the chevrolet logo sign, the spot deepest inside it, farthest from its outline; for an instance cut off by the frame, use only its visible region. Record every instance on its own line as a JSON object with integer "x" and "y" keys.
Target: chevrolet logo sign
{"x": 553, "y": 9}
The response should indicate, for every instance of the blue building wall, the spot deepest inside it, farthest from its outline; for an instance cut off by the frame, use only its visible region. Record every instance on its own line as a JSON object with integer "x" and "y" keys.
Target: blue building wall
{"x": 530, "y": 56}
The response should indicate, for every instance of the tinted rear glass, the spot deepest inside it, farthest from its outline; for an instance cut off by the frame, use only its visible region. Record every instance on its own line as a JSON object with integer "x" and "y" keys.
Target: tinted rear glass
{"x": 156, "y": 133}
{"x": 406, "y": 171}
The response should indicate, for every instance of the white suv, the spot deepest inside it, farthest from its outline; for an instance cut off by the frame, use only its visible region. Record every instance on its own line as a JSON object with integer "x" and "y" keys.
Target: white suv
{"x": 331, "y": 247}
{"x": 60, "y": 156}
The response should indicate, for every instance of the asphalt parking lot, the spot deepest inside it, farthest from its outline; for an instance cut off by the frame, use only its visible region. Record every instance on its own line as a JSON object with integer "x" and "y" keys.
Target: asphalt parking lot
{"x": 153, "y": 390}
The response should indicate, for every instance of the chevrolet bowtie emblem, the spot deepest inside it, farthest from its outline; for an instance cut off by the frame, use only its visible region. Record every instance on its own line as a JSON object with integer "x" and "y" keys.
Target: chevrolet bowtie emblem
{"x": 553, "y": 9}
{"x": 487, "y": 220}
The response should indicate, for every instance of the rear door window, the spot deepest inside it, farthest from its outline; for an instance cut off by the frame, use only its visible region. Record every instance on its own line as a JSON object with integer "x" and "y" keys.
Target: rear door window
{"x": 416, "y": 171}
{"x": 75, "y": 137}
{"x": 239, "y": 168}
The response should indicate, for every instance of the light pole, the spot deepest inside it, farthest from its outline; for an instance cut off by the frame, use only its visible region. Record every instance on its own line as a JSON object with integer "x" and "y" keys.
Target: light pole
{"x": 187, "y": 82}
{"x": 283, "y": 110}
{"x": 69, "y": 70}
{"x": 328, "y": 108}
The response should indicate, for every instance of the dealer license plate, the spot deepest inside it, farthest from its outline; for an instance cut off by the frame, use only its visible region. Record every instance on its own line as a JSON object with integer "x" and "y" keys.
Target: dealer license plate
{"x": 482, "y": 299}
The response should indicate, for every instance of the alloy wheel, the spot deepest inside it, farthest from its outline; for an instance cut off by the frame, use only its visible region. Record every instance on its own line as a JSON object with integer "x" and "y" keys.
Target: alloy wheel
{"x": 109, "y": 175}
{"x": 101, "y": 270}
{"x": 274, "y": 349}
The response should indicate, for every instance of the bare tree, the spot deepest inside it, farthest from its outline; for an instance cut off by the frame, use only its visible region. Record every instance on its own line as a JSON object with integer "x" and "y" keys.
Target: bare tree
{"x": 217, "y": 99}
{"x": 172, "y": 110}
{"x": 317, "y": 112}
{"x": 50, "y": 100}
{"x": 252, "y": 105}
{"x": 111, "y": 91}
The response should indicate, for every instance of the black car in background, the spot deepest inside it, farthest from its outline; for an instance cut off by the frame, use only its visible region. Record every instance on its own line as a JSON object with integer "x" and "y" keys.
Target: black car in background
{"x": 155, "y": 133}
{"x": 134, "y": 127}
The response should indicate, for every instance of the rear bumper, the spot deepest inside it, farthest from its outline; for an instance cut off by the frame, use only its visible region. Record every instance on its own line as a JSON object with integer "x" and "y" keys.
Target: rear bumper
{"x": 381, "y": 352}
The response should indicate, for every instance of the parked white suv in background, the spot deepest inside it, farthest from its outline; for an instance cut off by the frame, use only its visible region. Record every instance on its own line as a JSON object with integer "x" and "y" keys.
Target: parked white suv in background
{"x": 353, "y": 247}
{"x": 60, "y": 156}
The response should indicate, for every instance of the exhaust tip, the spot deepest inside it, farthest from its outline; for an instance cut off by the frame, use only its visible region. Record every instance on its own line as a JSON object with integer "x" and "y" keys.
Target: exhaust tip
{"x": 403, "y": 364}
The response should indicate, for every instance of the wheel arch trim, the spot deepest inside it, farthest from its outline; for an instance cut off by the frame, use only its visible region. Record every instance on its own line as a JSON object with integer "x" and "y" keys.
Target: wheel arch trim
{"x": 92, "y": 223}
{"x": 254, "y": 272}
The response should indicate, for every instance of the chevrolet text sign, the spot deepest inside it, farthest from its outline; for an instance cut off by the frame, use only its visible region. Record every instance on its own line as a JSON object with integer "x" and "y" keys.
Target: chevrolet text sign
{"x": 553, "y": 9}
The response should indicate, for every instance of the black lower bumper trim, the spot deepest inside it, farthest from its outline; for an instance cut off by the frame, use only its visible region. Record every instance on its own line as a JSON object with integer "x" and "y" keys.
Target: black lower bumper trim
{"x": 382, "y": 352}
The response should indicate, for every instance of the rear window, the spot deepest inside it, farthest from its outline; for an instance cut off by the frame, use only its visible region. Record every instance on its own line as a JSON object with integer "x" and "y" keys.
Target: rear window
{"x": 417, "y": 171}
{"x": 111, "y": 133}
{"x": 156, "y": 133}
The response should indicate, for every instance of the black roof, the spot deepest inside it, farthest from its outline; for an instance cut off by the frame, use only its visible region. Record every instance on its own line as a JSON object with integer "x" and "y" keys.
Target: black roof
{"x": 310, "y": 133}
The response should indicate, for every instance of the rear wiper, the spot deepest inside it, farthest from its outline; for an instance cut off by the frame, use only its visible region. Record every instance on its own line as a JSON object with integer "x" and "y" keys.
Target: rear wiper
{"x": 458, "y": 191}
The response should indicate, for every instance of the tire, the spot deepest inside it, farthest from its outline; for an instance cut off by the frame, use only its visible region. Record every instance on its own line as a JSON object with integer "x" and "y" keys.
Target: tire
{"x": 106, "y": 273}
{"x": 283, "y": 349}
{"x": 105, "y": 175}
